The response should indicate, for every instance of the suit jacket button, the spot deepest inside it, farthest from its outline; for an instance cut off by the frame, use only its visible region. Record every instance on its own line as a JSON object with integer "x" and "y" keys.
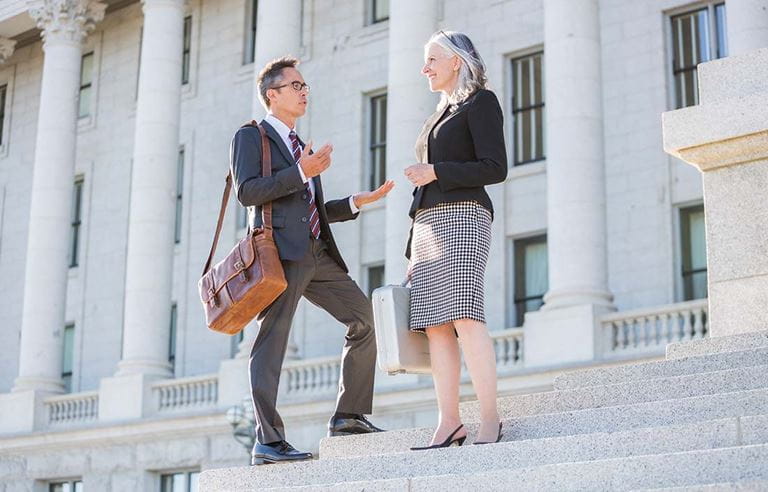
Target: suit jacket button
{"x": 303, "y": 219}
{"x": 304, "y": 196}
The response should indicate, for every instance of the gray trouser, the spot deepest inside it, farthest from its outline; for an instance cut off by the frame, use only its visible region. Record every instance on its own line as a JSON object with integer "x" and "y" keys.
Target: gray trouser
{"x": 323, "y": 282}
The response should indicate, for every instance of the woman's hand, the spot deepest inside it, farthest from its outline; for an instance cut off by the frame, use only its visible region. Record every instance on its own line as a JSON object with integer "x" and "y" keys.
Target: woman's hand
{"x": 421, "y": 174}
{"x": 365, "y": 197}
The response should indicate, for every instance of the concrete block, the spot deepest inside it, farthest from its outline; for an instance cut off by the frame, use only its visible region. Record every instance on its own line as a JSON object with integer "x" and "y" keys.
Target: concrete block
{"x": 661, "y": 369}
{"x": 716, "y": 345}
{"x": 125, "y": 397}
{"x": 562, "y": 335}
{"x": 22, "y": 411}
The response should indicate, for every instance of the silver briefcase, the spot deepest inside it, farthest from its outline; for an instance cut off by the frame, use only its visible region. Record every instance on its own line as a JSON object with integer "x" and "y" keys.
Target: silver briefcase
{"x": 400, "y": 350}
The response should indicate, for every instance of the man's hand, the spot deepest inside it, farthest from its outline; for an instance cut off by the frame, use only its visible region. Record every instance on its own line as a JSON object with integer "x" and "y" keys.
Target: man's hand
{"x": 365, "y": 197}
{"x": 312, "y": 165}
{"x": 421, "y": 174}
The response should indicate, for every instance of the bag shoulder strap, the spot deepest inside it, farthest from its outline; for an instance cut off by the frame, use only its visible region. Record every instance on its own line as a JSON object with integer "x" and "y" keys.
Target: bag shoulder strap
{"x": 266, "y": 209}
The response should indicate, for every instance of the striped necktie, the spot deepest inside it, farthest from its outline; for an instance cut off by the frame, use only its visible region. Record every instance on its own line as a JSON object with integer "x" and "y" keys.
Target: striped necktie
{"x": 314, "y": 217}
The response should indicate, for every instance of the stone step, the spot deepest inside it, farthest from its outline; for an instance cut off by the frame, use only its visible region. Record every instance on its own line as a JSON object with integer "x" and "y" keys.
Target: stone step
{"x": 715, "y": 345}
{"x": 752, "y": 486}
{"x": 661, "y": 369}
{"x": 587, "y": 421}
{"x": 689, "y": 468}
{"x": 722, "y": 433}
{"x": 707, "y": 383}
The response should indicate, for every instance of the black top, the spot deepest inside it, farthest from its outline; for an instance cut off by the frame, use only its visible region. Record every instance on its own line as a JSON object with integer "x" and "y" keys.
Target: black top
{"x": 467, "y": 148}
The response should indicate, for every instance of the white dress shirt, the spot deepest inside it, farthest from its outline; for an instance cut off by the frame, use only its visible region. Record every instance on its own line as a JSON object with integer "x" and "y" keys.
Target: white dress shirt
{"x": 284, "y": 132}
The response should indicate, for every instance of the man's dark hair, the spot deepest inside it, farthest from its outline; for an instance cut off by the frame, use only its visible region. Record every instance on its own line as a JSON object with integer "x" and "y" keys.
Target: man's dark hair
{"x": 272, "y": 75}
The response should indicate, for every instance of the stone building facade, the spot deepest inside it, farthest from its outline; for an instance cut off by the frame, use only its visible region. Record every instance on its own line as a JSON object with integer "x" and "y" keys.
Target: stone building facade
{"x": 116, "y": 118}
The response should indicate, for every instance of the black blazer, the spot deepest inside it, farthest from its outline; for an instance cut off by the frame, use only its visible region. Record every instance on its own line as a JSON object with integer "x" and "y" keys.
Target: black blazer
{"x": 468, "y": 151}
{"x": 287, "y": 192}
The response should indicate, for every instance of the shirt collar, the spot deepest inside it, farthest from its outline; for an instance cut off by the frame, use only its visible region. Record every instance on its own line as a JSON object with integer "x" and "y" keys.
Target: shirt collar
{"x": 280, "y": 127}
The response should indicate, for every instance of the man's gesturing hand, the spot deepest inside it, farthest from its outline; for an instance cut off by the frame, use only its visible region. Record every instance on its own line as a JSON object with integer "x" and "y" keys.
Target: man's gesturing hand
{"x": 364, "y": 197}
{"x": 312, "y": 165}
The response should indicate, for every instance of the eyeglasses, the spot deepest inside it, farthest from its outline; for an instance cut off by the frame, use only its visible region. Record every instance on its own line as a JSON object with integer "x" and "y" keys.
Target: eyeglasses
{"x": 297, "y": 86}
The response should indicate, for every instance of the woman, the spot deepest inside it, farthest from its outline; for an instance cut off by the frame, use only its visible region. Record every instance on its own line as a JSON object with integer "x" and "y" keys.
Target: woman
{"x": 460, "y": 150}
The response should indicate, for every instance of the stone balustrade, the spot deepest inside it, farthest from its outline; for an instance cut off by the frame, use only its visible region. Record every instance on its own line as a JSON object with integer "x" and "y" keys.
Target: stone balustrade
{"x": 647, "y": 331}
{"x": 187, "y": 393}
{"x": 311, "y": 377}
{"x": 74, "y": 408}
{"x": 508, "y": 345}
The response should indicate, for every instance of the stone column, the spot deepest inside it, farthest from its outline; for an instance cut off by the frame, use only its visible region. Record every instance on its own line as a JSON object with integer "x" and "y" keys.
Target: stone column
{"x": 278, "y": 33}
{"x": 149, "y": 263}
{"x": 747, "y": 25}
{"x": 726, "y": 138}
{"x": 409, "y": 103}
{"x": 64, "y": 24}
{"x": 566, "y": 328}
{"x": 7, "y": 47}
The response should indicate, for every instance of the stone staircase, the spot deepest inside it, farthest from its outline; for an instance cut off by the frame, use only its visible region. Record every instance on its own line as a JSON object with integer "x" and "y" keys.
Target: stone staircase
{"x": 697, "y": 421}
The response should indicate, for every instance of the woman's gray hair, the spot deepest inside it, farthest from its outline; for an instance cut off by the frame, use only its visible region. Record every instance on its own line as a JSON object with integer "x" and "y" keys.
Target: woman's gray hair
{"x": 472, "y": 71}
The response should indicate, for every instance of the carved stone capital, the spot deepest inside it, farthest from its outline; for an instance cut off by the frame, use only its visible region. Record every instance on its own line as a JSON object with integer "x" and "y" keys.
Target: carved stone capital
{"x": 7, "y": 47}
{"x": 66, "y": 20}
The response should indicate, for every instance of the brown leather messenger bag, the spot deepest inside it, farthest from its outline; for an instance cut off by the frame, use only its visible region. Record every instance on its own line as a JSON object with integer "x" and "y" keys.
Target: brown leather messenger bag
{"x": 251, "y": 276}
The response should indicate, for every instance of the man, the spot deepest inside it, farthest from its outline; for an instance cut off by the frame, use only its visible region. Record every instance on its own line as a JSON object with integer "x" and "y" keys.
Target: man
{"x": 312, "y": 262}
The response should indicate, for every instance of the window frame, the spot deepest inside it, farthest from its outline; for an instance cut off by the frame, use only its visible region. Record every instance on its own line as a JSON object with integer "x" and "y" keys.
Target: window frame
{"x": 512, "y": 60}
{"x": 89, "y": 85}
{"x": 180, "y": 166}
{"x": 7, "y": 79}
{"x": 64, "y": 372}
{"x": 172, "y": 333}
{"x": 368, "y": 268}
{"x": 186, "y": 50}
{"x": 187, "y": 486}
{"x": 373, "y": 144}
{"x": 685, "y": 242}
{"x": 75, "y": 485}
{"x": 516, "y": 249}
{"x": 76, "y": 222}
{"x": 713, "y": 37}
{"x": 251, "y": 25}
{"x": 370, "y": 16}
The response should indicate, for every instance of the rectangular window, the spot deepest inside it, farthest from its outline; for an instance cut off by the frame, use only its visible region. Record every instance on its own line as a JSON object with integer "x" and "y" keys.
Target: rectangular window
{"x": 70, "y": 486}
{"x": 697, "y": 36}
{"x": 375, "y": 278}
{"x": 3, "y": 97}
{"x": 77, "y": 209}
{"x": 67, "y": 361}
{"x": 179, "y": 482}
{"x": 251, "y": 14}
{"x": 242, "y": 217}
{"x": 377, "y": 145}
{"x": 236, "y": 340}
{"x": 172, "y": 337}
{"x": 694, "y": 253}
{"x": 531, "y": 275}
{"x": 179, "y": 195}
{"x": 528, "y": 108}
{"x": 186, "y": 52}
{"x": 378, "y": 11}
{"x": 86, "y": 85}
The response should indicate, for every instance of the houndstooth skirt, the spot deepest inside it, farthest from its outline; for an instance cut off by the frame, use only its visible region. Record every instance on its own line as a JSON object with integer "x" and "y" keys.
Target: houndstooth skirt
{"x": 450, "y": 247}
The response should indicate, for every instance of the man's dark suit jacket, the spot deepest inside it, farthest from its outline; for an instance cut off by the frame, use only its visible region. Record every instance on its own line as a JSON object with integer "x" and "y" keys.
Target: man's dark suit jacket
{"x": 468, "y": 151}
{"x": 287, "y": 192}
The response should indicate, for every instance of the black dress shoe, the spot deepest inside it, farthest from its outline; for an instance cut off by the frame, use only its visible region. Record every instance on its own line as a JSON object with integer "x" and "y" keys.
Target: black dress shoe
{"x": 277, "y": 452}
{"x": 347, "y": 426}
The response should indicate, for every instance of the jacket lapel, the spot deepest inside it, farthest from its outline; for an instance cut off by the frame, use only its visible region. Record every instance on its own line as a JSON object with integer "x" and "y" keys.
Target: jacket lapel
{"x": 272, "y": 133}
